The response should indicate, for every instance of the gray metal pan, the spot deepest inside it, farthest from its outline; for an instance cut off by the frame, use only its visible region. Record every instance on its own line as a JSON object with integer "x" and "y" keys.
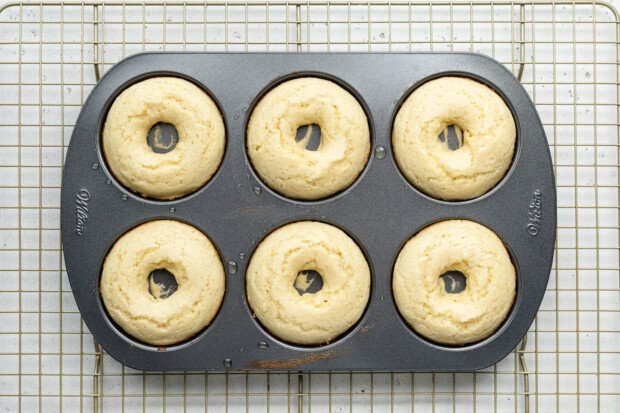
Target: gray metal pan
{"x": 380, "y": 211}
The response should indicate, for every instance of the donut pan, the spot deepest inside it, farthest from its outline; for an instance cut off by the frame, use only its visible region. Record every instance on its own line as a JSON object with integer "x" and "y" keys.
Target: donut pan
{"x": 380, "y": 211}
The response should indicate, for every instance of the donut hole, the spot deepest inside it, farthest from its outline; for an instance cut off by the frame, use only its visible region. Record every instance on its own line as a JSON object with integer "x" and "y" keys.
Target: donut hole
{"x": 454, "y": 281}
{"x": 162, "y": 283}
{"x": 162, "y": 137}
{"x": 308, "y": 282}
{"x": 452, "y": 136}
{"x": 309, "y": 136}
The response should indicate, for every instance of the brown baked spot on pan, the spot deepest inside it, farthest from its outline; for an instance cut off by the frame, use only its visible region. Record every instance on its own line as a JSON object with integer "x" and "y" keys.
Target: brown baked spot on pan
{"x": 293, "y": 363}
{"x": 367, "y": 328}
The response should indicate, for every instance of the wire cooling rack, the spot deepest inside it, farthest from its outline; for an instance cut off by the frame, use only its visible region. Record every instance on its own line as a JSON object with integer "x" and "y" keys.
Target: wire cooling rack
{"x": 566, "y": 55}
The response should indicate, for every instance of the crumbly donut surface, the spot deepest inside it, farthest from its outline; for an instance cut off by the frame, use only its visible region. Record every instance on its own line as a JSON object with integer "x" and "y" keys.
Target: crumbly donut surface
{"x": 308, "y": 319}
{"x": 419, "y": 291}
{"x": 185, "y": 252}
{"x": 288, "y": 167}
{"x": 194, "y": 159}
{"x": 489, "y": 136}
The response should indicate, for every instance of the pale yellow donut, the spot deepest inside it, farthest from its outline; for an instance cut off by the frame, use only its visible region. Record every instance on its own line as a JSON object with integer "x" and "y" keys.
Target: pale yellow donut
{"x": 194, "y": 159}
{"x": 286, "y": 166}
{"x": 419, "y": 291}
{"x": 489, "y": 135}
{"x": 182, "y": 250}
{"x": 309, "y": 318}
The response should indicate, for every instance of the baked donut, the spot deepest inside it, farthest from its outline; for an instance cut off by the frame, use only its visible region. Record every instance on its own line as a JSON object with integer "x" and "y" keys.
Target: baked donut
{"x": 288, "y": 167}
{"x": 189, "y": 256}
{"x": 489, "y": 135}
{"x": 282, "y": 257}
{"x": 420, "y": 293}
{"x": 177, "y": 172}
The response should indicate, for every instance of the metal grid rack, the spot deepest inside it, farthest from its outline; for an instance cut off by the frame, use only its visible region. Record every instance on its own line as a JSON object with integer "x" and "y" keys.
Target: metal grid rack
{"x": 566, "y": 54}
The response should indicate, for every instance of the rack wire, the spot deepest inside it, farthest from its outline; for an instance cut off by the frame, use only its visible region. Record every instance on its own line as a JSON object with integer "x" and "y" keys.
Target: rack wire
{"x": 564, "y": 52}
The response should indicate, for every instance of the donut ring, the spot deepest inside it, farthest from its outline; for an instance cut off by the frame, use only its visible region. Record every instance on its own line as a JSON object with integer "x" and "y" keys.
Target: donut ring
{"x": 489, "y": 135}
{"x": 184, "y": 251}
{"x": 197, "y": 154}
{"x": 308, "y": 319}
{"x": 454, "y": 319}
{"x": 286, "y": 166}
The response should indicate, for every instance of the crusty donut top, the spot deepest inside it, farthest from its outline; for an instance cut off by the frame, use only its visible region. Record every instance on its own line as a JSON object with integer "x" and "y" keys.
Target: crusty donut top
{"x": 489, "y": 135}
{"x": 197, "y": 154}
{"x": 309, "y": 318}
{"x": 182, "y": 250}
{"x": 289, "y": 168}
{"x": 419, "y": 291}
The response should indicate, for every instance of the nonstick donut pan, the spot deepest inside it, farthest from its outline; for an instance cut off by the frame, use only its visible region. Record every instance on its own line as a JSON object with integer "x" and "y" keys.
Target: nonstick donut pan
{"x": 380, "y": 211}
